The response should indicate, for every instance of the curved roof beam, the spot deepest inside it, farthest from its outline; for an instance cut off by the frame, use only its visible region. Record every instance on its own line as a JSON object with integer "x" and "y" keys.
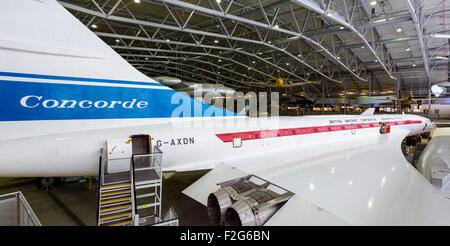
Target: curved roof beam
{"x": 336, "y": 17}
{"x": 165, "y": 72}
{"x": 270, "y": 27}
{"x": 416, "y": 10}
{"x": 102, "y": 34}
{"x": 189, "y": 59}
{"x": 199, "y": 68}
{"x": 188, "y": 53}
{"x": 140, "y": 65}
{"x": 224, "y": 36}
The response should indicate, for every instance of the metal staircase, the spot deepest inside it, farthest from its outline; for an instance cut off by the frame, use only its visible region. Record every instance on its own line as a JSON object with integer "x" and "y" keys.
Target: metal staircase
{"x": 115, "y": 197}
{"x": 132, "y": 196}
{"x": 116, "y": 205}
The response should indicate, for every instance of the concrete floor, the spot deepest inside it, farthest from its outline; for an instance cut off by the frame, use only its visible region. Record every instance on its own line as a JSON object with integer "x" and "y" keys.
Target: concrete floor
{"x": 73, "y": 204}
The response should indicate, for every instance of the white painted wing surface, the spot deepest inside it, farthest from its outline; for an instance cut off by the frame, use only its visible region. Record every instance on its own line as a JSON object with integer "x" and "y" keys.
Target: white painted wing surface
{"x": 365, "y": 182}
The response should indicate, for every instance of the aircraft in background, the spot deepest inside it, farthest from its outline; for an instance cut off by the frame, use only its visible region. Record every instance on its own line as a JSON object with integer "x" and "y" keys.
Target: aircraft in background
{"x": 405, "y": 101}
{"x": 66, "y": 94}
{"x": 297, "y": 101}
{"x": 195, "y": 89}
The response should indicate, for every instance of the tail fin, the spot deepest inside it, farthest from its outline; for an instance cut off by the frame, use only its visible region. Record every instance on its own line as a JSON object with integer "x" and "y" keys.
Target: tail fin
{"x": 244, "y": 110}
{"x": 369, "y": 111}
{"x": 53, "y": 67}
{"x": 41, "y": 37}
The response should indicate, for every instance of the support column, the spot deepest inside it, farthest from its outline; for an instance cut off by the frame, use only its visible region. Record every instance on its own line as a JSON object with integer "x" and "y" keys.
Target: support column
{"x": 323, "y": 97}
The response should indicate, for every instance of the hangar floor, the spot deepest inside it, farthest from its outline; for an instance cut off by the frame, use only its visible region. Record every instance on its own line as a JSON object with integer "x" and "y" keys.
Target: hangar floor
{"x": 73, "y": 204}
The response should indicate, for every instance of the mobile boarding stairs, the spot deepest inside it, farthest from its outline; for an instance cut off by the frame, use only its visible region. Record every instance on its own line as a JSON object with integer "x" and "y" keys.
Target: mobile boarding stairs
{"x": 130, "y": 184}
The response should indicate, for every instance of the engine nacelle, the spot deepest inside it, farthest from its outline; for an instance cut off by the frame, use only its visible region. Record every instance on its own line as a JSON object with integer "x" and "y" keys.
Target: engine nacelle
{"x": 222, "y": 199}
{"x": 247, "y": 201}
{"x": 245, "y": 212}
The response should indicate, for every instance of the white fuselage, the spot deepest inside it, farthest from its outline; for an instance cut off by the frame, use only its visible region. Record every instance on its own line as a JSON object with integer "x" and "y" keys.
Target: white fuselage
{"x": 72, "y": 148}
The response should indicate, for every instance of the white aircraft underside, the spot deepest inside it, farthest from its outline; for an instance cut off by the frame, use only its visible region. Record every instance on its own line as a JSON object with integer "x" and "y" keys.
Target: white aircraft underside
{"x": 65, "y": 93}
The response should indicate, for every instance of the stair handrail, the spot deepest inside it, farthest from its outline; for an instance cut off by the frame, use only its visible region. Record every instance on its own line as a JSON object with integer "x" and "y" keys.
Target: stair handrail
{"x": 99, "y": 186}
{"x": 133, "y": 190}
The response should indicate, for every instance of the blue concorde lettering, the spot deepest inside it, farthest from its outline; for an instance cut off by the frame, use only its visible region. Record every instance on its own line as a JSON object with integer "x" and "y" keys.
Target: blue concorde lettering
{"x": 23, "y": 101}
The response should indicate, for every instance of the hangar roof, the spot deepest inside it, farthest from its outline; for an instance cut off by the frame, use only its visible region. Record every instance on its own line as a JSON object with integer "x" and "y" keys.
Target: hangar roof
{"x": 360, "y": 45}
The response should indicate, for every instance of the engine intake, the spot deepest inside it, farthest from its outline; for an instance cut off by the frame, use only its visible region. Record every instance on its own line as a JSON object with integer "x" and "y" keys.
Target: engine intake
{"x": 222, "y": 199}
{"x": 246, "y": 201}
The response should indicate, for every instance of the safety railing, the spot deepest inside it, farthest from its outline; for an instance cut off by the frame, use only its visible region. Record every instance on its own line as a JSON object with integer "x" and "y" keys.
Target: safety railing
{"x": 15, "y": 211}
{"x": 169, "y": 219}
{"x": 146, "y": 164}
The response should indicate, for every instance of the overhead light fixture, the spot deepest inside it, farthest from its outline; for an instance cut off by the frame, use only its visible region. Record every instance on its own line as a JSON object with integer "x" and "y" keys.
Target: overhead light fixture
{"x": 299, "y": 55}
{"x": 373, "y": 3}
{"x": 341, "y": 27}
{"x": 408, "y": 49}
{"x": 287, "y": 63}
{"x": 414, "y": 65}
{"x": 362, "y": 47}
{"x": 168, "y": 40}
{"x": 219, "y": 60}
{"x": 146, "y": 58}
{"x": 399, "y": 29}
{"x": 269, "y": 42}
{"x": 253, "y": 62}
{"x": 259, "y": 53}
{"x": 329, "y": 14}
{"x": 94, "y": 26}
{"x": 117, "y": 40}
{"x": 137, "y": 1}
{"x": 276, "y": 26}
{"x": 216, "y": 41}
{"x": 218, "y": 1}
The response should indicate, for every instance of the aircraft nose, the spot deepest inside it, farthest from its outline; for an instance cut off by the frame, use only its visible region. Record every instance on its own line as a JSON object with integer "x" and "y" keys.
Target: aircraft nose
{"x": 432, "y": 126}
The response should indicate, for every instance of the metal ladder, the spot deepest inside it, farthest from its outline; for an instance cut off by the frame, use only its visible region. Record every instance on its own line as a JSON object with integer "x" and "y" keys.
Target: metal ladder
{"x": 133, "y": 197}
{"x": 148, "y": 187}
{"x": 116, "y": 203}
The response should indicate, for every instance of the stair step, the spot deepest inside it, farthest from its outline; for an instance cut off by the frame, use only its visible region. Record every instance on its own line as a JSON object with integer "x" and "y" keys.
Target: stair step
{"x": 114, "y": 197}
{"x": 115, "y": 208}
{"x": 118, "y": 220}
{"x": 116, "y": 200}
{"x": 115, "y": 193}
{"x": 115, "y": 216}
{"x": 122, "y": 223}
{"x": 115, "y": 211}
{"x": 102, "y": 191}
{"x": 109, "y": 205}
{"x": 115, "y": 186}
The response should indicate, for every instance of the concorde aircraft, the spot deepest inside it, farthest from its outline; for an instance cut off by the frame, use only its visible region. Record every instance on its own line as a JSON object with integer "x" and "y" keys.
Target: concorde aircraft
{"x": 64, "y": 93}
